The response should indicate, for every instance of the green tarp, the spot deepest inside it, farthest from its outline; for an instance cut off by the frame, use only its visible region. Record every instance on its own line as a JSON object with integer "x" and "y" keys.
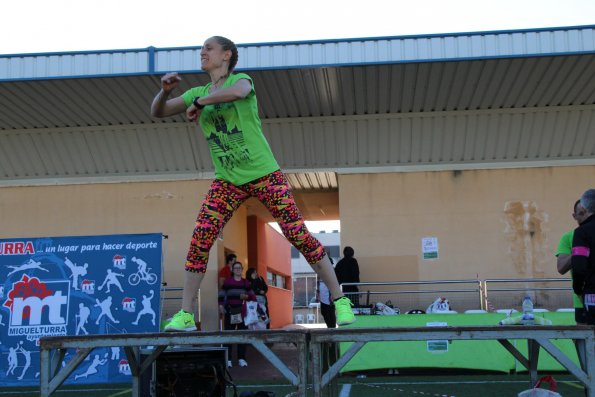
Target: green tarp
{"x": 480, "y": 355}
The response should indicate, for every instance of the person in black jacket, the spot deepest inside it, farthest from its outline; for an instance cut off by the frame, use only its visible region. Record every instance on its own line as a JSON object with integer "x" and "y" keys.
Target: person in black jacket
{"x": 260, "y": 288}
{"x": 583, "y": 256}
{"x": 347, "y": 271}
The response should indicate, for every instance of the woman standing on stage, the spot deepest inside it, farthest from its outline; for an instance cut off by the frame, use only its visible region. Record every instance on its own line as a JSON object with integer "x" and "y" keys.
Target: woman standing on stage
{"x": 245, "y": 167}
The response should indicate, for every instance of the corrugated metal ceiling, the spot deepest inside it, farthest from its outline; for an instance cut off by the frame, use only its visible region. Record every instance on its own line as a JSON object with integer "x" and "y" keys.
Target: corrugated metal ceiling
{"x": 458, "y": 139}
{"x": 337, "y": 117}
{"x": 322, "y": 92}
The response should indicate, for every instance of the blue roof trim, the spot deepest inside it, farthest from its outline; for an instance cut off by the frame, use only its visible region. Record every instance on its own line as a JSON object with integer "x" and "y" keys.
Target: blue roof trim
{"x": 420, "y": 36}
{"x": 378, "y": 38}
{"x": 153, "y": 58}
{"x": 323, "y": 41}
{"x": 86, "y": 52}
{"x": 312, "y": 66}
{"x": 74, "y": 77}
{"x": 326, "y": 65}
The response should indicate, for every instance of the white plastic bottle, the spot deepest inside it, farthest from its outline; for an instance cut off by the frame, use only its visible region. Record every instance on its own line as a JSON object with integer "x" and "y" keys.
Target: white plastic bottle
{"x": 528, "y": 316}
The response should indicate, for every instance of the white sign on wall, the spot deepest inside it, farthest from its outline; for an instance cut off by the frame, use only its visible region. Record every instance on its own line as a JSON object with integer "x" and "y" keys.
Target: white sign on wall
{"x": 429, "y": 248}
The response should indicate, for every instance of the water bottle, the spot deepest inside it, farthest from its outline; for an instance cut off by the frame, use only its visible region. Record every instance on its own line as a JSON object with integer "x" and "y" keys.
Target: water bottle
{"x": 528, "y": 317}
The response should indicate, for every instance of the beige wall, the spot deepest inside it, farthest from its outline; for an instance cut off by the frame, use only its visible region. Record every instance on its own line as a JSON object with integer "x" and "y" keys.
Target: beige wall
{"x": 477, "y": 215}
{"x": 314, "y": 206}
{"x": 166, "y": 207}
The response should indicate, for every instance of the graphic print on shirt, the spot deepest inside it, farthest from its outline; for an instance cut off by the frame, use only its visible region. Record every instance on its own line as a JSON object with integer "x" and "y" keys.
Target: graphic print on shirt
{"x": 227, "y": 144}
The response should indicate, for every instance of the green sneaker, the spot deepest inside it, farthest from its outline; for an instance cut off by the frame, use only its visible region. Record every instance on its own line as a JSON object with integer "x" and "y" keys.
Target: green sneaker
{"x": 164, "y": 324}
{"x": 343, "y": 311}
{"x": 181, "y": 321}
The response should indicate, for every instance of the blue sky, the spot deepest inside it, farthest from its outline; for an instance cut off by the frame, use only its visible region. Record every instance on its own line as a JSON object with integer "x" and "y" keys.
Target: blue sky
{"x": 72, "y": 25}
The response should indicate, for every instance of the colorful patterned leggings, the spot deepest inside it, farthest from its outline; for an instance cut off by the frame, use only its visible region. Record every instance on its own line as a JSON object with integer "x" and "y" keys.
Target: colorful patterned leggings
{"x": 223, "y": 198}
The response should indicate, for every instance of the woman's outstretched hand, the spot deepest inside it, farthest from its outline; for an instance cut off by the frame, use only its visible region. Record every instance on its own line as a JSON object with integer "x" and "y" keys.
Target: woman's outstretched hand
{"x": 170, "y": 81}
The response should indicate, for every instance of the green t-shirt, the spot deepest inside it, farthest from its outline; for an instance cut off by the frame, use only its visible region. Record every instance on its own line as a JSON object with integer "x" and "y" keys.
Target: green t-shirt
{"x": 239, "y": 149}
{"x": 565, "y": 247}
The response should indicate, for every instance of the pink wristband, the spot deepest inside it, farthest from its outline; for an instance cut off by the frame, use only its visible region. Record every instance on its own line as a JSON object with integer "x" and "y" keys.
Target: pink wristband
{"x": 580, "y": 251}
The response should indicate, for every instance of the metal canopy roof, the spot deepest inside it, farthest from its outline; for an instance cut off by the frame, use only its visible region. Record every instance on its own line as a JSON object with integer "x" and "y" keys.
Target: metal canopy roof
{"x": 319, "y": 92}
{"x": 330, "y": 106}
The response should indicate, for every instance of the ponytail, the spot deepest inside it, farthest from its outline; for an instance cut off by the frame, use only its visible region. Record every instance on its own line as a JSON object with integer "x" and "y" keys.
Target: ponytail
{"x": 228, "y": 45}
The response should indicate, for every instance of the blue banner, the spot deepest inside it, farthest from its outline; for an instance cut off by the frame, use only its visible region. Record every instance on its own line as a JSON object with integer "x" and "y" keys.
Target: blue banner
{"x": 85, "y": 285}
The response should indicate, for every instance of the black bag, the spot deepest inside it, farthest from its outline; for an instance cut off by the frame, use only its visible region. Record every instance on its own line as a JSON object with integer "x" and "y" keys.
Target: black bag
{"x": 235, "y": 315}
{"x": 200, "y": 380}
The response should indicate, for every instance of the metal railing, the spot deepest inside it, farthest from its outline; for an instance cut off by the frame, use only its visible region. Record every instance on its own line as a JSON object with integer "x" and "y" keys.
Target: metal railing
{"x": 547, "y": 293}
{"x": 171, "y": 302}
{"x": 410, "y": 295}
{"x": 489, "y": 294}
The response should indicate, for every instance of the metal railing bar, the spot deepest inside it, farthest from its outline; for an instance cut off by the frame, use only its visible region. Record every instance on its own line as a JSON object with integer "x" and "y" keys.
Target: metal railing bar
{"x": 416, "y": 282}
{"x": 531, "y": 289}
{"x": 523, "y": 280}
{"x": 411, "y": 291}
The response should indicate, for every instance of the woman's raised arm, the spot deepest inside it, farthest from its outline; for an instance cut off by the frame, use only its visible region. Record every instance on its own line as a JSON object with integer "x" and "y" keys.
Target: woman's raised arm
{"x": 163, "y": 107}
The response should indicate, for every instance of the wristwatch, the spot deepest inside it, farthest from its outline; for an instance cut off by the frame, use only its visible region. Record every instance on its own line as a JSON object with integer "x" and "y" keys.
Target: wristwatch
{"x": 198, "y": 105}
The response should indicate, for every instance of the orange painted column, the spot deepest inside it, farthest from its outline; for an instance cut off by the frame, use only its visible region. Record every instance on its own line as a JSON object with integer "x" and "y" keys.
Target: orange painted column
{"x": 269, "y": 251}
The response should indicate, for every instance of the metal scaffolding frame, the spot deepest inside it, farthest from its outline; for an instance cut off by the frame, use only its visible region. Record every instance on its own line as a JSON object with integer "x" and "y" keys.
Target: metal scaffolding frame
{"x": 311, "y": 342}
{"x": 536, "y": 336}
{"x": 53, "y": 350}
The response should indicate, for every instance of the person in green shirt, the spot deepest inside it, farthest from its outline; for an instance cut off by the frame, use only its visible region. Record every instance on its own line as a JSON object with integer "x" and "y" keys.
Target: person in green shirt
{"x": 227, "y": 111}
{"x": 564, "y": 256}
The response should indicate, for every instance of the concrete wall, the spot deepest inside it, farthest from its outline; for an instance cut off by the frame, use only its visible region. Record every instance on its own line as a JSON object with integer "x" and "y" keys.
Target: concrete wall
{"x": 502, "y": 223}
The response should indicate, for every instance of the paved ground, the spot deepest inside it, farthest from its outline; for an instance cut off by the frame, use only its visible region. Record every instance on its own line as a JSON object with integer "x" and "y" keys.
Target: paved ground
{"x": 259, "y": 368}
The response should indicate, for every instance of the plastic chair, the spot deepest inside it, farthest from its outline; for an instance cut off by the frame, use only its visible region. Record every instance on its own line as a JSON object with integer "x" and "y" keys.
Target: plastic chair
{"x": 299, "y": 318}
{"x": 475, "y": 311}
{"x": 311, "y": 318}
